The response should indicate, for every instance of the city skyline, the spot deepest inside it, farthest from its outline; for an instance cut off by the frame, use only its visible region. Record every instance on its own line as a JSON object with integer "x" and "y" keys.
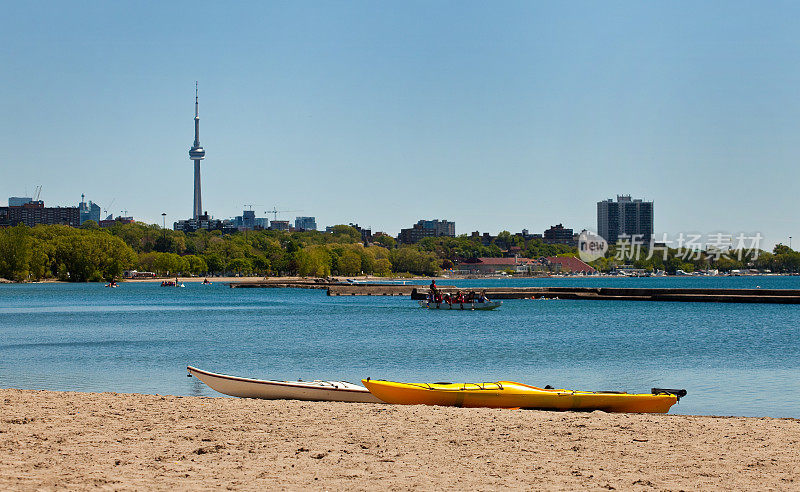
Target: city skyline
{"x": 360, "y": 114}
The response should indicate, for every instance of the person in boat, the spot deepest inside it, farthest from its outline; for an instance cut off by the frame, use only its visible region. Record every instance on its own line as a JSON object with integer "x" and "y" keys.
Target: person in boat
{"x": 446, "y": 298}
{"x": 433, "y": 287}
{"x": 471, "y": 296}
{"x": 459, "y": 297}
{"x": 483, "y": 297}
{"x": 437, "y": 298}
{"x": 205, "y": 281}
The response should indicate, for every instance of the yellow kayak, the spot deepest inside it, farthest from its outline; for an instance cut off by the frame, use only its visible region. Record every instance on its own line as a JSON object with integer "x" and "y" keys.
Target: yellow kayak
{"x": 508, "y": 394}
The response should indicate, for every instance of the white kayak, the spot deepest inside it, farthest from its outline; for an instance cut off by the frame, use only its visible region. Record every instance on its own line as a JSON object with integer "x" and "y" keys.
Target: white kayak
{"x": 284, "y": 390}
{"x": 467, "y": 306}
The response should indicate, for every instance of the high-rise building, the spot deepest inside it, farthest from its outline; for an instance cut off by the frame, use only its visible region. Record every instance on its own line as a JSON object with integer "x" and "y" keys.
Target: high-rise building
{"x": 89, "y": 211}
{"x": 427, "y": 228}
{"x": 197, "y": 154}
{"x": 18, "y": 201}
{"x": 305, "y": 223}
{"x": 34, "y": 213}
{"x": 626, "y": 216}
{"x": 279, "y": 225}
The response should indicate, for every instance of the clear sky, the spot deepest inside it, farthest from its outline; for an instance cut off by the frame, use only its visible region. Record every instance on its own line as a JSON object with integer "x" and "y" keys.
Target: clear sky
{"x": 497, "y": 115}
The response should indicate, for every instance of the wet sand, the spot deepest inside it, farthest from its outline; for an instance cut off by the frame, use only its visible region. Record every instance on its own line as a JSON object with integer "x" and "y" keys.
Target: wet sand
{"x": 57, "y": 440}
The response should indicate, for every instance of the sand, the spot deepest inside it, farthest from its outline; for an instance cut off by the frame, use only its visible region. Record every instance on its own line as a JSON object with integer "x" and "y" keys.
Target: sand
{"x": 63, "y": 440}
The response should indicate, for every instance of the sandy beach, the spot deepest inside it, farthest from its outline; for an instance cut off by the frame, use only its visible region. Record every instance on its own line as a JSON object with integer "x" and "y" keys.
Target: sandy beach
{"x": 64, "y": 440}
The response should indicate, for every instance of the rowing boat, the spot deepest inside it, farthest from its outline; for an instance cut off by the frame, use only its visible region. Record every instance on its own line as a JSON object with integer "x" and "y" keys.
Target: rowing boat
{"x": 507, "y": 394}
{"x": 466, "y": 306}
{"x": 284, "y": 390}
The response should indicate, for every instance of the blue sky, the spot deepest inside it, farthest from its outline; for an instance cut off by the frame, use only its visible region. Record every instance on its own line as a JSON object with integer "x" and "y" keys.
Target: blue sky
{"x": 503, "y": 115}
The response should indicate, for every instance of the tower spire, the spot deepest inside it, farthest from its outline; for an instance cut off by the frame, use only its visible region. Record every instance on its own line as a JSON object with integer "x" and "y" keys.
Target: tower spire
{"x": 196, "y": 154}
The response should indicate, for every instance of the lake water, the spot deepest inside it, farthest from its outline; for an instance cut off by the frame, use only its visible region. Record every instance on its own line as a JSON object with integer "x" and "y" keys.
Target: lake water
{"x": 734, "y": 359}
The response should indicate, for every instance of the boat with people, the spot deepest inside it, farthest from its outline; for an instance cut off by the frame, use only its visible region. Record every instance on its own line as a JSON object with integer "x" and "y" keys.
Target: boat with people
{"x": 284, "y": 390}
{"x": 172, "y": 283}
{"x": 508, "y": 394}
{"x": 460, "y": 300}
{"x": 465, "y": 306}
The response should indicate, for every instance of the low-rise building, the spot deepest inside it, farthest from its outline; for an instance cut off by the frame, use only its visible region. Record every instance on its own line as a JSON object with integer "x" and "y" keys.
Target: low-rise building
{"x": 558, "y": 234}
{"x": 110, "y": 222}
{"x": 568, "y": 264}
{"x": 205, "y": 222}
{"x": 492, "y": 266}
{"x": 366, "y": 234}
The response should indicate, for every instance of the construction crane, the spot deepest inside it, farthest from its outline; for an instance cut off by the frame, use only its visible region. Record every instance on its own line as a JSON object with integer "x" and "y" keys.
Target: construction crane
{"x": 38, "y": 193}
{"x": 275, "y": 212}
{"x": 251, "y": 205}
{"x": 105, "y": 211}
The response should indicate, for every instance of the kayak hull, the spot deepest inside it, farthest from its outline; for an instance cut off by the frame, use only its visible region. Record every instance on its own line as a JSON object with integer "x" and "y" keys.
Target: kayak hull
{"x": 507, "y": 394}
{"x": 467, "y": 306}
{"x": 284, "y": 390}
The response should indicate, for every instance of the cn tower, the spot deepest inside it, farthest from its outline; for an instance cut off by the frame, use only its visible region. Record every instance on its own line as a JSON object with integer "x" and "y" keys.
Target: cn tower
{"x": 197, "y": 154}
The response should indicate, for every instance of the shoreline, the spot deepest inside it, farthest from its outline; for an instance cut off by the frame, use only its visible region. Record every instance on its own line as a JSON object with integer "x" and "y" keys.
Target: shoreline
{"x": 57, "y": 440}
{"x": 367, "y": 278}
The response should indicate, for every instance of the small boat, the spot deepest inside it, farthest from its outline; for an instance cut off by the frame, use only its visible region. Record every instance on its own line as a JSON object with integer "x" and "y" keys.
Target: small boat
{"x": 507, "y": 394}
{"x": 466, "y": 306}
{"x": 284, "y": 390}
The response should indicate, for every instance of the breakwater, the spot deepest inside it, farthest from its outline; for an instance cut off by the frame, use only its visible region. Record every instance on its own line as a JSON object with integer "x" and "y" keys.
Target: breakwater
{"x": 768, "y": 296}
{"x": 418, "y": 292}
{"x": 282, "y": 284}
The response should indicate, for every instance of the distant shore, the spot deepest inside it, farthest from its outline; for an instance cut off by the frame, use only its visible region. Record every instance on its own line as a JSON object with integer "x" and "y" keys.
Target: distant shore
{"x": 370, "y": 278}
{"x": 57, "y": 440}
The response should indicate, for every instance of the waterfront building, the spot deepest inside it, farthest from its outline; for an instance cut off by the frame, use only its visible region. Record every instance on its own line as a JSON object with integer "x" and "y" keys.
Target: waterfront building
{"x": 492, "y": 266}
{"x": 626, "y": 216}
{"x": 305, "y": 223}
{"x": 34, "y": 213}
{"x": 567, "y": 264}
{"x": 88, "y": 211}
{"x": 427, "y": 228}
{"x": 558, "y": 234}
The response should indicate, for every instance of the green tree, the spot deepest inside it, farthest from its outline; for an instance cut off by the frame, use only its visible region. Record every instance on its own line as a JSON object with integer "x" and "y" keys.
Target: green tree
{"x": 349, "y": 263}
{"x": 385, "y": 241}
{"x": 15, "y": 252}
{"x": 241, "y": 266}
{"x": 314, "y": 261}
{"x": 348, "y": 231}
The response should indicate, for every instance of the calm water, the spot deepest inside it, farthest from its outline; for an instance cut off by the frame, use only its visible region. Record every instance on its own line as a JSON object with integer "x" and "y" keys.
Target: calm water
{"x": 734, "y": 359}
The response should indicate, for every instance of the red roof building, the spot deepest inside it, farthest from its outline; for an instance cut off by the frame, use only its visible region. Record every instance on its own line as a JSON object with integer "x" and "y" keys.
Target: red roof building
{"x": 571, "y": 265}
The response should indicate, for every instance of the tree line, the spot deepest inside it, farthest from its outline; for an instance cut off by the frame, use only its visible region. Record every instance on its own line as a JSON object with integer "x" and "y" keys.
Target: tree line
{"x": 90, "y": 253}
